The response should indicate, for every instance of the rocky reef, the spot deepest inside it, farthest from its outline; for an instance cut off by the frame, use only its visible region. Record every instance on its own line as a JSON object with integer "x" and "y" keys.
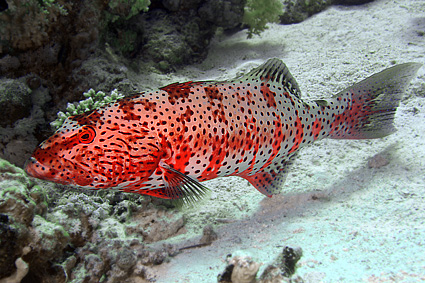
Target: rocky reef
{"x": 57, "y": 235}
{"x": 296, "y": 11}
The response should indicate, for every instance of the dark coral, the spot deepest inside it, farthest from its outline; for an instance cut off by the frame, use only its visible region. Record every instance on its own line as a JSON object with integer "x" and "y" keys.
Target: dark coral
{"x": 174, "y": 33}
{"x": 15, "y": 101}
{"x": 8, "y": 246}
{"x": 59, "y": 42}
{"x": 288, "y": 260}
{"x": 296, "y": 11}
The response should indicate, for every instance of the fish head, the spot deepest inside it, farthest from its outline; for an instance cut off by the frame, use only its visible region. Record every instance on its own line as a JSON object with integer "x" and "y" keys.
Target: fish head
{"x": 61, "y": 158}
{"x": 96, "y": 153}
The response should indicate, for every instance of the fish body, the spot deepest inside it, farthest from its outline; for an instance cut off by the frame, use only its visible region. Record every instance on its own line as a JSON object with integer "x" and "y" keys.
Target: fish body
{"x": 165, "y": 142}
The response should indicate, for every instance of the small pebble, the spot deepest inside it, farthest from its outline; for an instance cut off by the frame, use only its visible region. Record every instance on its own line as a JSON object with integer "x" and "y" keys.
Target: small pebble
{"x": 209, "y": 235}
{"x": 377, "y": 161}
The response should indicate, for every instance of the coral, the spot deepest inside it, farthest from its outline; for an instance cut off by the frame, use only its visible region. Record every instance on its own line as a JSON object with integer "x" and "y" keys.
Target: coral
{"x": 288, "y": 259}
{"x": 20, "y": 201}
{"x": 227, "y": 14}
{"x": 117, "y": 260}
{"x": 225, "y": 276}
{"x": 244, "y": 270}
{"x": 172, "y": 5}
{"x": 296, "y": 11}
{"x": 15, "y": 101}
{"x": 57, "y": 50}
{"x": 124, "y": 9}
{"x": 352, "y": 2}
{"x": 272, "y": 274}
{"x": 15, "y": 197}
{"x": 125, "y": 42}
{"x": 18, "y": 141}
{"x": 26, "y": 24}
{"x": 80, "y": 215}
{"x": 8, "y": 246}
{"x": 93, "y": 101}
{"x": 25, "y": 126}
{"x": 81, "y": 236}
{"x": 104, "y": 73}
{"x": 175, "y": 34}
{"x": 116, "y": 15}
{"x": 240, "y": 269}
{"x": 165, "y": 43}
{"x": 284, "y": 267}
{"x": 48, "y": 239}
{"x": 260, "y": 12}
{"x": 9, "y": 64}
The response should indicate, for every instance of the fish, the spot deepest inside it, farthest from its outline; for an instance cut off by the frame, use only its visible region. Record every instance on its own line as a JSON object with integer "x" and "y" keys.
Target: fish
{"x": 166, "y": 142}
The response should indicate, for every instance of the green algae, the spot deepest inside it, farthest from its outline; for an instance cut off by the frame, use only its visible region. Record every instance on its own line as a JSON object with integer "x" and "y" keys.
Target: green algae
{"x": 93, "y": 101}
{"x": 260, "y": 12}
{"x": 49, "y": 230}
{"x": 19, "y": 197}
{"x": 131, "y": 8}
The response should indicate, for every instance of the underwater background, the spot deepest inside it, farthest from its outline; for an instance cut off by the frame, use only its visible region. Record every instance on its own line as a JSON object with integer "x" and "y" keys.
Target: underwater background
{"x": 350, "y": 210}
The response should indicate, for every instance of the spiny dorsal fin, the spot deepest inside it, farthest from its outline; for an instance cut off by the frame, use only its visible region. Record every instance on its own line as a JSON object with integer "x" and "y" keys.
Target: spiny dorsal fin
{"x": 275, "y": 71}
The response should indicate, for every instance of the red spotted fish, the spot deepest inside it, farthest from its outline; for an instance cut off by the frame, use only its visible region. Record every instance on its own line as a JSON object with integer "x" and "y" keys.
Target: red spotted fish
{"x": 166, "y": 142}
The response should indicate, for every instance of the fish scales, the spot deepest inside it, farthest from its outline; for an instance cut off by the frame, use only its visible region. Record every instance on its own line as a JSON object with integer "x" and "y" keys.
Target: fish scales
{"x": 165, "y": 142}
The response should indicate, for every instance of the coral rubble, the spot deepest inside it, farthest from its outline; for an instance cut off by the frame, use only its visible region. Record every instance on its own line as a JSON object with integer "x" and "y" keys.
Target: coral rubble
{"x": 243, "y": 269}
{"x": 82, "y": 236}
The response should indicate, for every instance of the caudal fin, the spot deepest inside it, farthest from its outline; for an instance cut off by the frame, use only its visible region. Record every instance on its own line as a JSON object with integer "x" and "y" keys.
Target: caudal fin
{"x": 372, "y": 104}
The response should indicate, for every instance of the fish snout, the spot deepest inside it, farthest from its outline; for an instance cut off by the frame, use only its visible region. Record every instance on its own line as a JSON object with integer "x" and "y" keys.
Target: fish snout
{"x": 35, "y": 169}
{"x": 32, "y": 166}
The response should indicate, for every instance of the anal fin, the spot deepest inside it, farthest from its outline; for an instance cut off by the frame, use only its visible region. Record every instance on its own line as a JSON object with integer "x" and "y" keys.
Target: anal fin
{"x": 270, "y": 182}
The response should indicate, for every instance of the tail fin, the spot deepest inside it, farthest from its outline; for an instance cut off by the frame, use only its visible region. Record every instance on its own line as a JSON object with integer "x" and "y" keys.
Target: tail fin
{"x": 372, "y": 104}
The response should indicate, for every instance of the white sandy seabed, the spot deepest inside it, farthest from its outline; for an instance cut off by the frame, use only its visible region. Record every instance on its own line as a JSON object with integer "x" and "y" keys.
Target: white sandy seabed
{"x": 353, "y": 223}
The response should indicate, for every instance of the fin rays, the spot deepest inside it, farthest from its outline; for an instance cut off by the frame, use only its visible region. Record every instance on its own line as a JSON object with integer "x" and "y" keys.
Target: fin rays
{"x": 274, "y": 70}
{"x": 375, "y": 101}
{"x": 180, "y": 186}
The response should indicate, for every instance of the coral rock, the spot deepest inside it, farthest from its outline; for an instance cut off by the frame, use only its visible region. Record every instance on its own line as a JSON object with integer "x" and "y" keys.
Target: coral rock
{"x": 157, "y": 224}
{"x": 15, "y": 101}
{"x": 244, "y": 270}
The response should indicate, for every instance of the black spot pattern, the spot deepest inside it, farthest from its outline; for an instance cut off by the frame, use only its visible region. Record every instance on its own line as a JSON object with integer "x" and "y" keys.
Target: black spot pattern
{"x": 162, "y": 143}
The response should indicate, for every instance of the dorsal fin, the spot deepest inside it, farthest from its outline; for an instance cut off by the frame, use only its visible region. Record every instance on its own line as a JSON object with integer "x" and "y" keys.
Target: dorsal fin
{"x": 275, "y": 71}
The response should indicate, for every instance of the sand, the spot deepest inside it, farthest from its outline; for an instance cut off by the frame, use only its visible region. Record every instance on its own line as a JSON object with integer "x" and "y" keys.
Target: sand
{"x": 353, "y": 223}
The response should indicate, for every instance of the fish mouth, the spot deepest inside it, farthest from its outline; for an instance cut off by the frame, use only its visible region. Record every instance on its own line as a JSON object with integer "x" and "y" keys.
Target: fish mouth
{"x": 32, "y": 166}
{"x": 36, "y": 169}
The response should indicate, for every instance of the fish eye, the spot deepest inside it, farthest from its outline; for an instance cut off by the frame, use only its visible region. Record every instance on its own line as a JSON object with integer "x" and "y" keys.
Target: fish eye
{"x": 86, "y": 134}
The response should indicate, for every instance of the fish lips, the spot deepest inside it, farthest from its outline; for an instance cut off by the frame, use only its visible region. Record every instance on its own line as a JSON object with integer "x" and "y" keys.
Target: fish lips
{"x": 36, "y": 169}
